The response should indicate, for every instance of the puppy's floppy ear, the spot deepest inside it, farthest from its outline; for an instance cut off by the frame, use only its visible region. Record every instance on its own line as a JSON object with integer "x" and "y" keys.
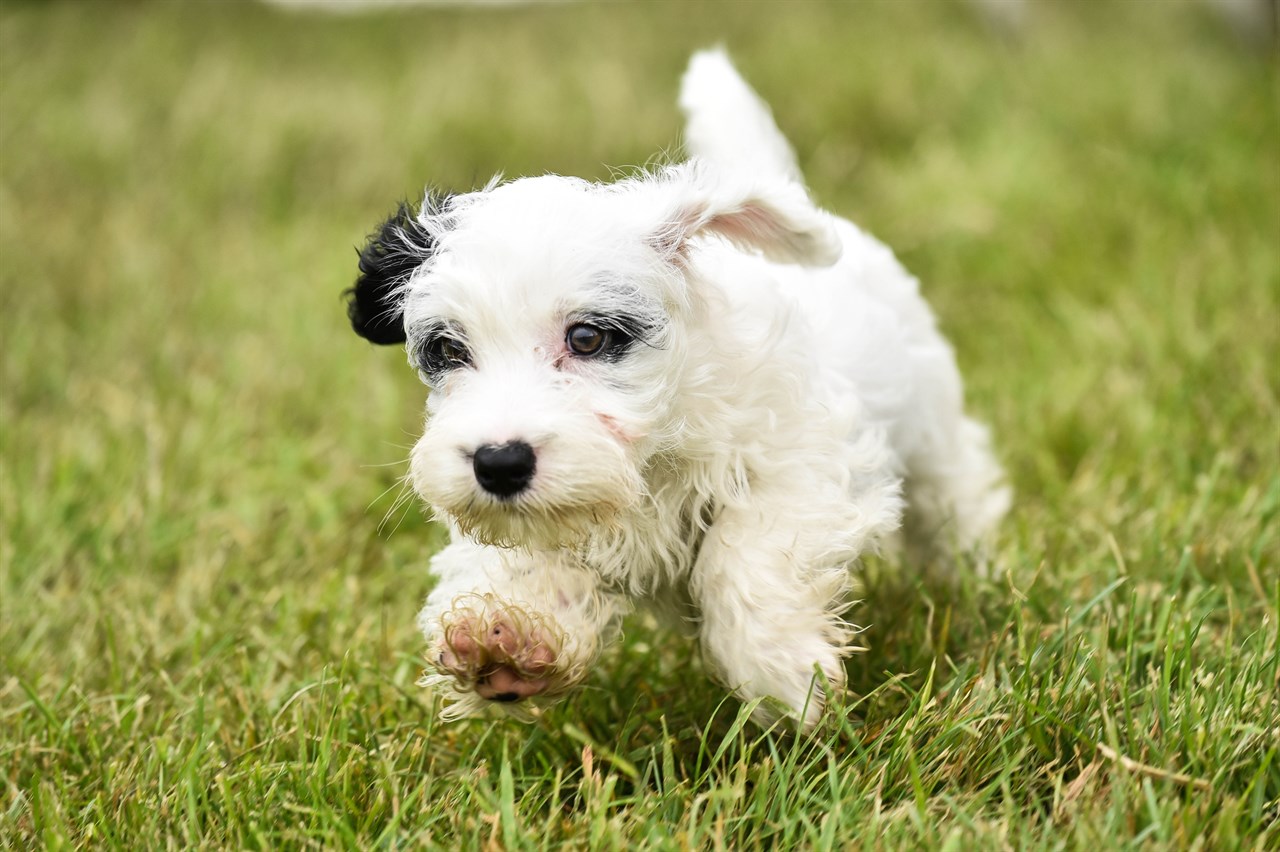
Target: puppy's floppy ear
{"x": 770, "y": 214}
{"x": 393, "y": 253}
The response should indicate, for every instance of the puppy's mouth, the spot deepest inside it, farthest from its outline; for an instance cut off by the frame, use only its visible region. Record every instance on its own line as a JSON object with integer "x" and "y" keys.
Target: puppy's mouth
{"x": 527, "y": 522}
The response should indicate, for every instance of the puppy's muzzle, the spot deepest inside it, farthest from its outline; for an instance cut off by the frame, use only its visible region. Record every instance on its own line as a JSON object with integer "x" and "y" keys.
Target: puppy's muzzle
{"x": 505, "y": 470}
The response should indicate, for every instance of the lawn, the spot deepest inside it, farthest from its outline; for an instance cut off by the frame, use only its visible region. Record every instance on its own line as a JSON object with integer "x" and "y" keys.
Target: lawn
{"x": 207, "y": 588}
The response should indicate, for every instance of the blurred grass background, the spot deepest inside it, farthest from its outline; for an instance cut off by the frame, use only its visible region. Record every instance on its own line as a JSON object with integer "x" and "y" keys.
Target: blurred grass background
{"x": 206, "y": 634}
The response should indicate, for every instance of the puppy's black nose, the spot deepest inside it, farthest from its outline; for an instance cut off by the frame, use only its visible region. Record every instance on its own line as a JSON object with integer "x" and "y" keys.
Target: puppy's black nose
{"x": 505, "y": 470}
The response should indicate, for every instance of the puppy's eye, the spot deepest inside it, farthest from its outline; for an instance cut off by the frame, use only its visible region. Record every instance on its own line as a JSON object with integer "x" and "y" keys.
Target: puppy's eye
{"x": 442, "y": 353}
{"x": 453, "y": 352}
{"x": 587, "y": 340}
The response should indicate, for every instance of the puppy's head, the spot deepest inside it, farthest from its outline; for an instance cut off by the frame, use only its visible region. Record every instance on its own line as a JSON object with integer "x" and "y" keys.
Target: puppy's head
{"x": 549, "y": 318}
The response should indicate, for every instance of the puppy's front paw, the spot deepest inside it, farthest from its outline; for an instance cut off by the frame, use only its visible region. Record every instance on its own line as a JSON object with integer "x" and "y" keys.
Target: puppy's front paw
{"x": 500, "y": 651}
{"x": 795, "y": 679}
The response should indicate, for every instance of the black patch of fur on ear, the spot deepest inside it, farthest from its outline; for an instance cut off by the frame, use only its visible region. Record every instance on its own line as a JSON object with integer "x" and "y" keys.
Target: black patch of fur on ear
{"x": 394, "y": 252}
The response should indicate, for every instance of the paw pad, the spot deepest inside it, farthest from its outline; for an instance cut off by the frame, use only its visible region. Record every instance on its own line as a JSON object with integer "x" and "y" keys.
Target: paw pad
{"x": 498, "y": 651}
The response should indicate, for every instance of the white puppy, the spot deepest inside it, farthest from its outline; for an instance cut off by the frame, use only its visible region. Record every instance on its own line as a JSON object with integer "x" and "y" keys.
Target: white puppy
{"x": 691, "y": 389}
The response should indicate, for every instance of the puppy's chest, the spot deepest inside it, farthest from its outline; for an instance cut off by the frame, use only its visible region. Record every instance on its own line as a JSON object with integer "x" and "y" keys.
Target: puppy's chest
{"x": 654, "y": 546}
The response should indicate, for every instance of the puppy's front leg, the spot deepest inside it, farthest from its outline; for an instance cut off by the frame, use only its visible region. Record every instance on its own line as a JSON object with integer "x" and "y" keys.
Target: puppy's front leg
{"x": 506, "y": 625}
{"x": 770, "y": 588}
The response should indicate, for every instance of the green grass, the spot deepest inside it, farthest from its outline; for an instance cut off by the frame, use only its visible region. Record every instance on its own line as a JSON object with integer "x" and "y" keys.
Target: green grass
{"x": 206, "y": 637}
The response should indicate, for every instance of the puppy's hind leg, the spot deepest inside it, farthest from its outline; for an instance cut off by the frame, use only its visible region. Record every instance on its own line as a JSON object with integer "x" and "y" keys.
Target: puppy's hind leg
{"x": 956, "y": 496}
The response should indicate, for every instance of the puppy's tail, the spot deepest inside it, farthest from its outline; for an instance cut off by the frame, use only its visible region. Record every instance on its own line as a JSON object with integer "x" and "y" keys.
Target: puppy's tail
{"x": 728, "y": 124}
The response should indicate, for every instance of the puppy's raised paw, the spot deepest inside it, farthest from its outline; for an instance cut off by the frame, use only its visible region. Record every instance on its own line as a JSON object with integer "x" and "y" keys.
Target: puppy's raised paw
{"x": 500, "y": 651}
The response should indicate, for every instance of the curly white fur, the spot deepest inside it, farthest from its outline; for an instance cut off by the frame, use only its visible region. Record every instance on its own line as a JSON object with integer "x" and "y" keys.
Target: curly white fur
{"x": 789, "y": 397}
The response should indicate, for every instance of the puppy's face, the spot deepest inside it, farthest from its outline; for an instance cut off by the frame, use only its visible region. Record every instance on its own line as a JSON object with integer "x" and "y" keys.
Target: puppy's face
{"x": 548, "y": 318}
{"x": 543, "y": 326}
